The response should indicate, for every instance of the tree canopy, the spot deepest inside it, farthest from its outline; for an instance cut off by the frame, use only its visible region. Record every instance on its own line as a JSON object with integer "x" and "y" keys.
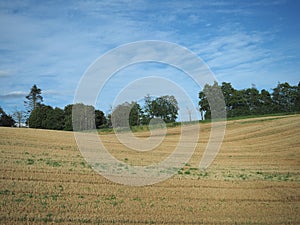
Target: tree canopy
{"x": 283, "y": 99}
{"x": 132, "y": 114}
{"x": 6, "y": 120}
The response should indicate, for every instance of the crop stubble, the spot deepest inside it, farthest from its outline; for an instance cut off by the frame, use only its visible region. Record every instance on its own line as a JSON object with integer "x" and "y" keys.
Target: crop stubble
{"x": 254, "y": 179}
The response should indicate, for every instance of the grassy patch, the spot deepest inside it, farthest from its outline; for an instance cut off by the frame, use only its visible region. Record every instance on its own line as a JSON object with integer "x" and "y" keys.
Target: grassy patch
{"x": 53, "y": 163}
{"x": 30, "y": 162}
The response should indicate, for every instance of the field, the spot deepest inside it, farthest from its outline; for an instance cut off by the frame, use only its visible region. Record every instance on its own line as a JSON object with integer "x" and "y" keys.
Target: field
{"x": 255, "y": 179}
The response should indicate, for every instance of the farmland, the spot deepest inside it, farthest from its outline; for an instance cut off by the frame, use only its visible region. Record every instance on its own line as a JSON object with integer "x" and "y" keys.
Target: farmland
{"x": 255, "y": 179}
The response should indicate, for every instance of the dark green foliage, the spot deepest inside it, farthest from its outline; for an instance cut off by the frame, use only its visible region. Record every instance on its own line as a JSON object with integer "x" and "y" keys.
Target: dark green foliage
{"x": 55, "y": 119}
{"x": 33, "y": 99}
{"x": 284, "y": 99}
{"x": 135, "y": 114}
{"x": 83, "y": 117}
{"x": 100, "y": 119}
{"x": 38, "y": 117}
{"x": 45, "y": 117}
{"x": 212, "y": 101}
{"x": 6, "y": 120}
{"x": 68, "y": 118}
{"x": 164, "y": 107}
{"x": 126, "y": 115}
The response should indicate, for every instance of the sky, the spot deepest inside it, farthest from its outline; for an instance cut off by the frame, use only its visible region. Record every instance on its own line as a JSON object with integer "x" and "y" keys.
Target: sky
{"x": 53, "y": 43}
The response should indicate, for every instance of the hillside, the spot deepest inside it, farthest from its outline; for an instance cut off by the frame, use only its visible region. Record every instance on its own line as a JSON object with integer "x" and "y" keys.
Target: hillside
{"x": 255, "y": 179}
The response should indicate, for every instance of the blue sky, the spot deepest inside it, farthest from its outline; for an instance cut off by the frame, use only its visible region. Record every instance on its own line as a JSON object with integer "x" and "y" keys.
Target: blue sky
{"x": 52, "y": 43}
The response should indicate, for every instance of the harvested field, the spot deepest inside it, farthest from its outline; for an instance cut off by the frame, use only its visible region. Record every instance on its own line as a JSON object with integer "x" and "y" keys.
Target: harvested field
{"x": 255, "y": 179}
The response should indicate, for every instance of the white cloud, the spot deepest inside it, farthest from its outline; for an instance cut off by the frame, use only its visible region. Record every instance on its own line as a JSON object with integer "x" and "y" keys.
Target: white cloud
{"x": 4, "y": 73}
{"x": 237, "y": 54}
{"x": 13, "y": 95}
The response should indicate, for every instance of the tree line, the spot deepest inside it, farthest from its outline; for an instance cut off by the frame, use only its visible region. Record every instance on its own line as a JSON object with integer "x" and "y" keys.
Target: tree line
{"x": 46, "y": 117}
{"x": 163, "y": 107}
{"x": 39, "y": 115}
{"x": 284, "y": 98}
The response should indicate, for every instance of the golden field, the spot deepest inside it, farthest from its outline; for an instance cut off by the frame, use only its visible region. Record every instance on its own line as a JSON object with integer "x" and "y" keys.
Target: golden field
{"x": 255, "y": 179}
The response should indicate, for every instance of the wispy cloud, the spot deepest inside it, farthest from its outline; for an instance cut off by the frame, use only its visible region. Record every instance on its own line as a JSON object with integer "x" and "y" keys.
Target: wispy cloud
{"x": 4, "y": 73}
{"x": 13, "y": 95}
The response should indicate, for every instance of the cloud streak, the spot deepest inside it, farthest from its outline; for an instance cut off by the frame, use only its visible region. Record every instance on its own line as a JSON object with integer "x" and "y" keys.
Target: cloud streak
{"x": 13, "y": 95}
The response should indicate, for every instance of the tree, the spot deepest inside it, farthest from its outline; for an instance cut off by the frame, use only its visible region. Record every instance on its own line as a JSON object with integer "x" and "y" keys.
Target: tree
{"x": 204, "y": 105}
{"x": 297, "y": 100}
{"x": 212, "y": 101}
{"x": 284, "y": 97}
{"x": 100, "y": 119}
{"x": 18, "y": 116}
{"x": 82, "y": 111}
{"x": 166, "y": 108}
{"x": 34, "y": 99}
{"x": 1, "y": 111}
{"x": 228, "y": 92}
{"x": 68, "y": 118}
{"x": 38, "y": 117}
{"x": 6, "y": 120}
{"x": 147, "y": 113}
{"x": 120, "y": 116}
{"x": 265, "y": 102}
{"x": 83, "y": 117}
{"x": 135, "y": 115}
{"x": 54, "y": 119}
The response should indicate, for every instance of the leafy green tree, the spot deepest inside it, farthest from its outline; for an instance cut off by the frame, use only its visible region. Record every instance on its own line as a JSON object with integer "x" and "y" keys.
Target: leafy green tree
{"x": 54, "y": 119}
{"x": 83, "y": 117}
{"x": 68, "y": 118}
{"x": 126, "y": 114}
{"x": 228, "y": 92}
{"x": 147, "y": 113}
{"x": 38, "y": 117}
{"x": 285, "y": 97}
{"x": 252, "y": 100}
{"x": 83, "y": 111}
{"x": 135, "y": 115}
{"x": 265, "y": 102}
{"x": 239, "y": 104}
{"x": 6, "y": 120}
{"x": 204, "y": 105}
{"x": 164, "y": 107}
{"x": 212, "y": 101}
{"x": 297, "y": 100}
{"x": 100, "y": 119}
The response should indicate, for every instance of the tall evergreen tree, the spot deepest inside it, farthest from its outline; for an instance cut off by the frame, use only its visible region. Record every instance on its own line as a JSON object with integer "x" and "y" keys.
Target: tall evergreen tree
{"x": 33, "y": 99}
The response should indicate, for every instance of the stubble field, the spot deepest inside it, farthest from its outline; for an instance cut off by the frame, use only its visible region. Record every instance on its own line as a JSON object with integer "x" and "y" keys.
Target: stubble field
{"x": 255, "y": 179}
